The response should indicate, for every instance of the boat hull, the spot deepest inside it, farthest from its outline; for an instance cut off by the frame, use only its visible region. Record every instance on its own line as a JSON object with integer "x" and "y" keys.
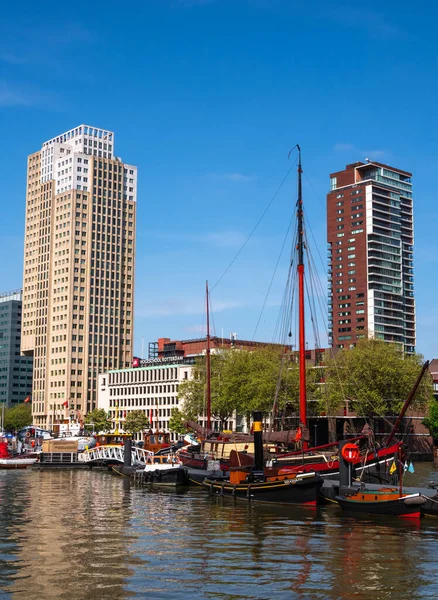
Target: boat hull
{"x": 171, "y": 477}
{"x": 197, "y": 461}
{"x": 299, "y": 490}
{"x": 373, "y": 466}
{"x": 398, "y": 507}
{"x": 16, "y": 463}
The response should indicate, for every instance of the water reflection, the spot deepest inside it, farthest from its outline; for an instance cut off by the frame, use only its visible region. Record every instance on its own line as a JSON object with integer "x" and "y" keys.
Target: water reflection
{"x": 77, "y": 535}
{"x": 68, "y": 533}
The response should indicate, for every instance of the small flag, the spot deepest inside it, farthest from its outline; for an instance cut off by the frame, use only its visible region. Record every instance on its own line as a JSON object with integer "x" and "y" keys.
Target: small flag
{"x": 405, "y": 467}
{"x": 27, "y": 399}
{"x": 299, "y": 434}
{"x": 393, "y": 468}
{"x": 150, "y": 416}
{"x": 65, "y": 403}
{"x": 411, "y": 468}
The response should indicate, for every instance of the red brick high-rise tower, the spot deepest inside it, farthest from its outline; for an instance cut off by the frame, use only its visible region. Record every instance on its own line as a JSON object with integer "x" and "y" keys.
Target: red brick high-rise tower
{"x": 370, "y": 247}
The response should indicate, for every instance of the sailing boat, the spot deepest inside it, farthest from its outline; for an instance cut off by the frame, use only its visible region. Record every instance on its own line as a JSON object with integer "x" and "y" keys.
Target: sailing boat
{"x": 321, "y": 459}
{"x": 254, "y": 481}
{"x": 383, "y": 501}
{"x": 325, "y": 459}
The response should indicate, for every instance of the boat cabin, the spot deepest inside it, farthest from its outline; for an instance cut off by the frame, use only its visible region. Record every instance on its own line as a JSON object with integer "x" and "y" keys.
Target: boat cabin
{"x": 111, "y": 439}
{"x": 162, "y": 460}
{"x": 156, "y": 441}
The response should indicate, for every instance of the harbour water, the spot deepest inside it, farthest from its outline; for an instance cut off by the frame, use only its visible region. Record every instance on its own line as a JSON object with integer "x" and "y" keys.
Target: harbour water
{"x": 79, "y": 534}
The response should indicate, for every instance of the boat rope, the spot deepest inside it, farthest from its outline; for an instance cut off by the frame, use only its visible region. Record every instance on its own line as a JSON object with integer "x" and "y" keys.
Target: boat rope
{"x": 256, "y": 225}
{"x": 272, "y": 280}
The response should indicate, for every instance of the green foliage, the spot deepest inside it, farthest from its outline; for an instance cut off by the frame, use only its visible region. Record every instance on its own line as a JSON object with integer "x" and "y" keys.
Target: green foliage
{"x": 135, "y": 422}
{"x": 376, "y": 377}
{"x": 176, "y": 421}
{"x": 18, "y": 417}
{"x": 98, "y": 421}
{"x": 431, "y": 420}
{"x": 245, "y": 381}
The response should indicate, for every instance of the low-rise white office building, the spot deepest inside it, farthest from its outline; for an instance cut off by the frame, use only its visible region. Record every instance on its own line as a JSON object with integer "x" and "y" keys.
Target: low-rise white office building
{"x": 151, "y": 386}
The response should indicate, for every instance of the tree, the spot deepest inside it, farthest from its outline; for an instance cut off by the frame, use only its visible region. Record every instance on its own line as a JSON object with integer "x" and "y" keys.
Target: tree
{"x": 229, "y": 370}
{"x": 244, "y": 381}
{"x": 18, "y": 417}
{"x": 98, "y": 420}
{"x": 176, "y": 421}
{"x": 135, "y": 421}
{"x": 376, "y": 378}
{"x": 431, "y": 420}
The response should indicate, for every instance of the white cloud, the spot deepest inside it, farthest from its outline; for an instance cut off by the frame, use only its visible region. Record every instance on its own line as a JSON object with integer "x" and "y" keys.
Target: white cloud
{"x": 13, "y": 96}
{"x": 222, "y": 239}
{"x": 343, "y": 147}
{"x": 181, "y": 306}
{"x": 238, "y": 177}
{"x": 235, "y": 177}
{"x": 190, "y": 3}
{"x": 195, "y": 329}
{"x": 12, "y": 59}
{"x": 225, "y": 239}
{"x": 25, "y": 96}
{"x": 376, "y": 154}
{"x": 375, "y": 23}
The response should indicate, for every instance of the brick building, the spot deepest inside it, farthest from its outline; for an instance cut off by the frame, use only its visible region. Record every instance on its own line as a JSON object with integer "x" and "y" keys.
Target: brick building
{"x": 370, "y": 254}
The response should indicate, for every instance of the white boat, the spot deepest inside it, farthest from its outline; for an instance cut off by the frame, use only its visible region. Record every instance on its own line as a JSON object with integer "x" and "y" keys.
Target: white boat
{"x": 163, "y": 471}
{"x": 17, "y": 462}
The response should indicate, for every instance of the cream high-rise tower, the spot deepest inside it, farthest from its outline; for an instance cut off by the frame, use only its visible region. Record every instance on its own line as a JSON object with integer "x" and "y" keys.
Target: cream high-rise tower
{"x": 79, "y": 260}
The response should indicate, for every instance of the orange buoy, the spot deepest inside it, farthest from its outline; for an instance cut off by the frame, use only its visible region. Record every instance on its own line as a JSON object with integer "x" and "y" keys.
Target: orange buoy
{"x": 350, "y": 453}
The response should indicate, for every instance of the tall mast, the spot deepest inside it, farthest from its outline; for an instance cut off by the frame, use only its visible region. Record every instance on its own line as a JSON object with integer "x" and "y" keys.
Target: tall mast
{"x": 208, "y": 367}
{"x": 300, "y": 267}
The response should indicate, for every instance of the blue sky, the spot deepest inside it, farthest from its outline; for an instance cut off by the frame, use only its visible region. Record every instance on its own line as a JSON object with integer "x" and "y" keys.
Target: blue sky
{"x": 207, "y": 97}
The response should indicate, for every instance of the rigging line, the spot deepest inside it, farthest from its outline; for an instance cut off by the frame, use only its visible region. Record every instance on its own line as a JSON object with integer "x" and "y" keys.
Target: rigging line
{"x": 311, "y": 300}
{"x": 335, "y": 362}
{"x": 319, "y": 290}
{"x": 317, "y": 286}
{"x": 324, "y": 264}
{"x": 282, "y": 314}
{"x": 212, "y": 314}
{"x": 285, "y": 324}
{"x": 314, "y": 191}
{"x": 272, "y": 279}
{"x": 255, "y": 226}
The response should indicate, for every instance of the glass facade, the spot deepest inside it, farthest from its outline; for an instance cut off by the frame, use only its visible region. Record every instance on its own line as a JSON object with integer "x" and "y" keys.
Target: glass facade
{"x": 15, "y": 370}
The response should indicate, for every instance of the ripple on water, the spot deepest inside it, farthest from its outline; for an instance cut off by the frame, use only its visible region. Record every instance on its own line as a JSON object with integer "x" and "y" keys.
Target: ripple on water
{"x": 77, "y": 534}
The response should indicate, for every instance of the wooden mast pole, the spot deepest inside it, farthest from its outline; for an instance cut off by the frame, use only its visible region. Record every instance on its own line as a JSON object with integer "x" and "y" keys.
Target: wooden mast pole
{"x": 208, "y": 365}
{"x": 407, "y": 403}
{"x": 300, "y": 268}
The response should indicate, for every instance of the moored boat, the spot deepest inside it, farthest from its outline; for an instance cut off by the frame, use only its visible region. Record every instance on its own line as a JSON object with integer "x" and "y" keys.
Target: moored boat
{"x": 385, "y": 501}
{"x": 18, "y": 461}
{"x": 252, "y": 482}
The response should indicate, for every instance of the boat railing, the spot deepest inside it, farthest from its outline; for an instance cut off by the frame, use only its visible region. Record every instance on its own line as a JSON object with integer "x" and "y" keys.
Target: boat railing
{"x": 165, "y": 459}
{"x": 114, "y": 453}
{"x": 310, "y": 451}
{"x": 300, "y": 459}
{"x": 59, "y": 457}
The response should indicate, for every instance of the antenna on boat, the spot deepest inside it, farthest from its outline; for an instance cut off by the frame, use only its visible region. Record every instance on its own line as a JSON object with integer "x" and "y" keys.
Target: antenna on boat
{"x": 208, "y": 366}
{"x": 301, "y": 318}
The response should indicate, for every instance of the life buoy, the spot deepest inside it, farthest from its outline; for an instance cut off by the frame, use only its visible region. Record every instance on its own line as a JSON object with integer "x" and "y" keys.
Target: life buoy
{"x": 350, "y": 452}
{"x": 28, "y": 434}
